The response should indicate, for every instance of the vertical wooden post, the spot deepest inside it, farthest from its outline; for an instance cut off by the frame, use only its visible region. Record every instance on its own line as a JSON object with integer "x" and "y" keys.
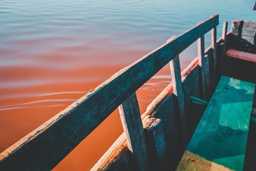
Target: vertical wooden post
{"x": 133, "y": 128}
{"x": 214, "y": 45}
{"x": 178, "y": 90}
{"x": 250, "y": 157}
{"x": 224, "y": 34}
{"x": 202, "y": 64}
{"x": 224, "y": 49}
{"x": 158, "y": 144}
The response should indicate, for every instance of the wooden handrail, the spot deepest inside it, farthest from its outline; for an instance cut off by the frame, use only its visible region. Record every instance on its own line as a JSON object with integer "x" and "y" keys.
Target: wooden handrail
{"x": 47, "y": 145}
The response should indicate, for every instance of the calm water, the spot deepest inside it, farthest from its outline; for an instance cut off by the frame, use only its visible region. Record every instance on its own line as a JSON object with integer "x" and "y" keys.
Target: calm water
{"x": 53, "y": 51}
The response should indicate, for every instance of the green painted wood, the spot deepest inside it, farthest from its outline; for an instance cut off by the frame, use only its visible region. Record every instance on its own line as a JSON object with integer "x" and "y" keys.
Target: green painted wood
{"x": 163, "y": 137}
{"x": 224, "y": 35}
{"x": 178, "y": 91}
{"x": 133, "y": 128}
{"x": 251, "y": 144}
{"x": 51, "y": 142}
{"x": 214, "y": 47}
{"x": 203, "y": 65}
{"x": 221, "y": 134}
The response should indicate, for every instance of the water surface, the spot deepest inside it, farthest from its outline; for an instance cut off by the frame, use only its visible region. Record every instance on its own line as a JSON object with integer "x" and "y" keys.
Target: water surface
{"x": 54, "y": 51}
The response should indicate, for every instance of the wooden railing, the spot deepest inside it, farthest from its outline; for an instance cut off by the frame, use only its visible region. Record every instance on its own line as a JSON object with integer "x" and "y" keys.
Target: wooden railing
{"x": 43, "y": 148}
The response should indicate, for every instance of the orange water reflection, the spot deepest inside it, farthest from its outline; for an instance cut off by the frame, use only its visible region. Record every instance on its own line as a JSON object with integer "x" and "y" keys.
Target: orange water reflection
{"x": 53, "y": 52}
{"x": 32, "y": 93}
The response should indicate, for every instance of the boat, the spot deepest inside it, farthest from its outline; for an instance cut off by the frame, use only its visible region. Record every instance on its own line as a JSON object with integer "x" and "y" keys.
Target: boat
{"x": 205, "y": 119}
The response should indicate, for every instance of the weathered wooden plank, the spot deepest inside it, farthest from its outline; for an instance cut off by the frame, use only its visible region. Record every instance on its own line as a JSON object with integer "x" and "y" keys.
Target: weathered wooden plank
{"x": 214, "y": 47}
{"x": 224, "y": 30}
{"x": 159, "y": 139}
{"x": 132, "y": 125}
{"x": 203, "y": 65}
{"x": 241, "y": 55}
{"x": 160, "y": 122}
{"x": 225, "y": 116}
{"x": 116, "y": 152}
{"x": 224, "y": 35}
{"x": 157, "y": 142}
{"x": 250, "y": 158}
{"x": 52, "y": 141}
{"x": 195, "y": 162}
{"x": 177, "y": 83}
{"x": 178, "y": 91}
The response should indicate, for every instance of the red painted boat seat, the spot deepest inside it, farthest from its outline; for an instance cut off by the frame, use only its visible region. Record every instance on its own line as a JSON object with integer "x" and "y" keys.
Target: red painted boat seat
{"x": 246, "y": 56}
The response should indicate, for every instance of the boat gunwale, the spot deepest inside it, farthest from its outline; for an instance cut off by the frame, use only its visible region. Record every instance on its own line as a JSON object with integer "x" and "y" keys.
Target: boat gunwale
{"x": 79, "y": 119}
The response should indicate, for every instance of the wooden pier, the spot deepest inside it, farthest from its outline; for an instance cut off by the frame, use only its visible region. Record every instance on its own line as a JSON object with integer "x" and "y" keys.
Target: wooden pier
{"x": 155, "y": 140}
